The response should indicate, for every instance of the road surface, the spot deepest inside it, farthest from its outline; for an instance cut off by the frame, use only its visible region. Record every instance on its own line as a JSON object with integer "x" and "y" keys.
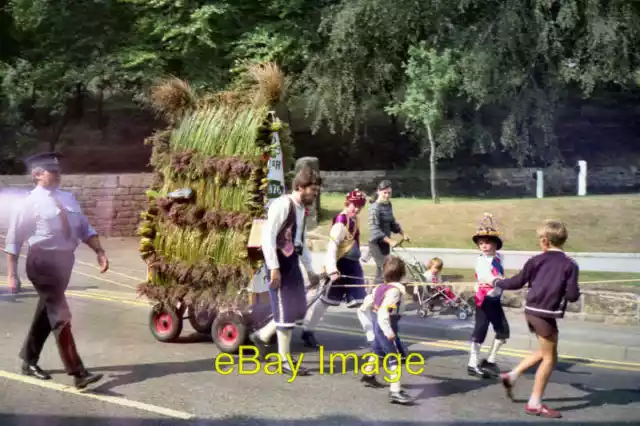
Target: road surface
{"x": 151, "y": 383}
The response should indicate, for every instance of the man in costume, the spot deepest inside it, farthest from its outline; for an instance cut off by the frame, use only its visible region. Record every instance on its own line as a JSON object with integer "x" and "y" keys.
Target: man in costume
{"x": 488, "y": 300}
{"x": 51, "y": 222}
{"x": 283, "y": 247}
{"x": 342, "y": 264}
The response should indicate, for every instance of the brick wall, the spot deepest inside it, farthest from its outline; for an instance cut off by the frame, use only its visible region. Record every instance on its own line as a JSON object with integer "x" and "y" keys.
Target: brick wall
{"x": 111, "y": 202}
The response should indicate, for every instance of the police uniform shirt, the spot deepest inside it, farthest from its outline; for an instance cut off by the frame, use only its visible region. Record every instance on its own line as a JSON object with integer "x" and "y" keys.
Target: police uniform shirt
{"x": 37, "y": 221}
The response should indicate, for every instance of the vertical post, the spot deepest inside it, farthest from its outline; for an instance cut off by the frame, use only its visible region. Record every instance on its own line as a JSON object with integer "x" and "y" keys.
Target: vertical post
{"x": 539, "y": 184}
{"x": 582, "y": 178}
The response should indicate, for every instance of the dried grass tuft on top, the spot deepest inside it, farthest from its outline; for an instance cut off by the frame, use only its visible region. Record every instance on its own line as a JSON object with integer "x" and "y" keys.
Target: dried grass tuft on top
{"x": 268, "y": 81}
{"x": 172, "y": 98}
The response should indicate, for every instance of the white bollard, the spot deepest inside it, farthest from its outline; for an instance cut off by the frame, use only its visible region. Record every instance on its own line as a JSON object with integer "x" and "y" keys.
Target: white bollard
{"x": 582, "y": 178}
{"x": 539, "y": 184}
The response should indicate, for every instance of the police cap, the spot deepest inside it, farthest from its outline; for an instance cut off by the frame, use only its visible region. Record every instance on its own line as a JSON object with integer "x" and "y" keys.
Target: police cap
{"x": 49, "y": 161}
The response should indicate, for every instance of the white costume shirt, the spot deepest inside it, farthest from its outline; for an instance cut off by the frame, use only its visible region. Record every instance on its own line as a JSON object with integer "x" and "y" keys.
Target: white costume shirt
{"x": 276, "y": 217}
{"x": 393, "y": 299}
{"x": 485, "y": 273}
{"x": 337, "y": 234}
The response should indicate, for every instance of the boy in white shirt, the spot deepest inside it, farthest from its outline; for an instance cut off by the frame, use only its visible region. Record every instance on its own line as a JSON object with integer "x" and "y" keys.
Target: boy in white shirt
{"x": 488, "y": 300}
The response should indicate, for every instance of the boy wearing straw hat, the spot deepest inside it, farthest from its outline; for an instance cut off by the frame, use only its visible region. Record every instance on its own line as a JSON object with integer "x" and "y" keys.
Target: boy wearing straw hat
{"x": 488, "y": 300}
{"x": 342, "y": 264}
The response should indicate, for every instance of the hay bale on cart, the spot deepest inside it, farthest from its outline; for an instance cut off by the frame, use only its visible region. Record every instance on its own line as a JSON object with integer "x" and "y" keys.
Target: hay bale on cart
{"x": 211, "y": 169}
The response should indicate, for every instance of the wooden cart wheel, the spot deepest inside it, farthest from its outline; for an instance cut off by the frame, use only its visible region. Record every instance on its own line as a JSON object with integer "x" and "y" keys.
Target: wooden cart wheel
{"x": 229, "y": 332}
{"x": 165, "y": 323}
{"x": 201, "y": 319}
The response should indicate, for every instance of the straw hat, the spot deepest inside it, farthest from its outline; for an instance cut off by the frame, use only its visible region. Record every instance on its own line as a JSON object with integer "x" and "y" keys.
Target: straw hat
{"x": 487, "y": 229}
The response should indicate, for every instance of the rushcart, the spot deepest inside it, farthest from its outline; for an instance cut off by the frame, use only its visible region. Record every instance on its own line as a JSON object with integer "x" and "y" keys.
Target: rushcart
{"x": 217, "y": 166}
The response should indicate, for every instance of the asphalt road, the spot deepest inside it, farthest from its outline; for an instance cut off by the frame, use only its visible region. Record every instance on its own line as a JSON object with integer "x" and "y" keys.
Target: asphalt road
{"x": 152, "y": 383}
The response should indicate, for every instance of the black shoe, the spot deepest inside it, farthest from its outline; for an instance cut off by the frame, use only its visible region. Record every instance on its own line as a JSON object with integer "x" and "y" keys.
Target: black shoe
{"x": 34, "y": 371}
{"x": 84, "y": 379}
{"x": 371, "y": 382}
{"x": 490, "y": 367}
{"x": 478, "y": 372}
{"x": 400, "y": 397}
{"x": 309, "y": 339}
{"x": 259, "y": 344}
{"x": 286, "y": 369}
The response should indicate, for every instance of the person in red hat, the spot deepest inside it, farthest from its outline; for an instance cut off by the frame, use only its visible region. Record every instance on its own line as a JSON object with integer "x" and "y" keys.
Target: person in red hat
{"x": 342, "y": 264}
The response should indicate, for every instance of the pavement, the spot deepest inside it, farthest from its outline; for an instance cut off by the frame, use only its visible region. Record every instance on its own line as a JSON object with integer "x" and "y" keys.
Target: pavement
{"x": 152, "y": 383}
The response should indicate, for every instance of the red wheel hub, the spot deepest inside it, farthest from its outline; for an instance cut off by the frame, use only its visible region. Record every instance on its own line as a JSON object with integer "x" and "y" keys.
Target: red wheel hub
{"x": 228, "y": 334}
{"x": 164, "y": 323}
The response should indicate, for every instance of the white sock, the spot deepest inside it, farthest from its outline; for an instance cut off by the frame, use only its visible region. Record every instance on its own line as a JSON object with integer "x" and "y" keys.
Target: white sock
{"x": 267, "y": 331}
{"x": 497, "y": 344}
{"x": 317, "y": 311}
{"x": 473, "y": 354}
{"x": 284, "y": 343}
{"x": 534, "y": 402}
{"x": 513, "y": 376}
{"x": 367, "y": 324}
{"x": 394, "y": 386}
{"x": 368, "y": 368}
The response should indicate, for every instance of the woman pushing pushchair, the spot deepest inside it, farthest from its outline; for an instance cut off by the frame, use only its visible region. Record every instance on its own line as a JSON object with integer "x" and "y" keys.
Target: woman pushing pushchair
{"x": 382, "y": 224}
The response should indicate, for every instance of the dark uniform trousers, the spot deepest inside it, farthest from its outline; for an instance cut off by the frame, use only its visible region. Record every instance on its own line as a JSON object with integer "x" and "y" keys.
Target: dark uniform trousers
{"x": 50, "y": 272}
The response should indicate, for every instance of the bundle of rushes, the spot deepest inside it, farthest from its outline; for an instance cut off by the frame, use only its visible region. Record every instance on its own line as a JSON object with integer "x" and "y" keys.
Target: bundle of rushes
{"x": 197, "y": 248}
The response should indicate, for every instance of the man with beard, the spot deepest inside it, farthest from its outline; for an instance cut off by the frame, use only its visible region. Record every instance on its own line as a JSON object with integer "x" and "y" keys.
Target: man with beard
{"x": 283, "y": 247}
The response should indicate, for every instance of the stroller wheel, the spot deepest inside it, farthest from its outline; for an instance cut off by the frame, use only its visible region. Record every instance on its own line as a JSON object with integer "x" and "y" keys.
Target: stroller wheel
{"x": 462, "y": 314}
{"x": 422, "y": 313}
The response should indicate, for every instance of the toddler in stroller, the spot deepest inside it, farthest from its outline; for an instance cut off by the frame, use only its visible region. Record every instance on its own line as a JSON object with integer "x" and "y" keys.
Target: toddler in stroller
{"x": 439, "y": 297}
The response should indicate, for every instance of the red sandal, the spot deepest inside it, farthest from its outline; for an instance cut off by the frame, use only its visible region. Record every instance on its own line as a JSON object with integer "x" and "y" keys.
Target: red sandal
{"x": 542, "y": 411}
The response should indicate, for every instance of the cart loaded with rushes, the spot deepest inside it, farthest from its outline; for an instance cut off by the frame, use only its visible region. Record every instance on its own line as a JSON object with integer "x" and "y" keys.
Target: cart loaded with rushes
{"x": 207, "y": 203}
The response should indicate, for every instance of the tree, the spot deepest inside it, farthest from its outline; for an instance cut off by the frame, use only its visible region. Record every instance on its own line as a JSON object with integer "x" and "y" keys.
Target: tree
{"x": 432, "y": 78}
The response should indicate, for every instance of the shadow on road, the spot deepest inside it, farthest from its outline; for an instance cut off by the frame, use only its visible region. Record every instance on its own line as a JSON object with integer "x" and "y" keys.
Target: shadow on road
{"x": 32, "y": 420}
{"x": 599, "y": 397}
{"x": 447, "y": 386}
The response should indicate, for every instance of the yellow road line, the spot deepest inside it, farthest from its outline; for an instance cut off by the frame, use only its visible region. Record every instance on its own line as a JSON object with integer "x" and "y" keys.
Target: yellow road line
{"x": 605, "y": 364}
{"x": 104, "y": 398}
{"x": 445, "y": 344}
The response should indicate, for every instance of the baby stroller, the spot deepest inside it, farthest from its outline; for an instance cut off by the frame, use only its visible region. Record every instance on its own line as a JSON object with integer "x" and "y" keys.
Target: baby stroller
{"x": 435, "y": 298}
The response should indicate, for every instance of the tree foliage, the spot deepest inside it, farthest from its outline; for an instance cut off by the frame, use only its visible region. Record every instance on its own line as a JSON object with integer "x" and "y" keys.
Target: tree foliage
{"x": 515, "y": 61}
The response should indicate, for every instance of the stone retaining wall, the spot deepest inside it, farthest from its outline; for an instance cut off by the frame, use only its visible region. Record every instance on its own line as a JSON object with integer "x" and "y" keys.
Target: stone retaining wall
{"x": 113, "y": 201}
{"x": 487, "y": 182}
{"x": 597, "y": 305}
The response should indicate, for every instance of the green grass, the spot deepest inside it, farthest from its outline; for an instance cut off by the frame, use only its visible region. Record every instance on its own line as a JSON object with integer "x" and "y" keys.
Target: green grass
{"x": 606, "y": 223}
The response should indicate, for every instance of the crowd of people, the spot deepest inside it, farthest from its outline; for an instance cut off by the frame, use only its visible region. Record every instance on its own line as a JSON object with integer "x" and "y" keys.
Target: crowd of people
{"x": 51, "y": 222}
{"x": 551, "y": 277}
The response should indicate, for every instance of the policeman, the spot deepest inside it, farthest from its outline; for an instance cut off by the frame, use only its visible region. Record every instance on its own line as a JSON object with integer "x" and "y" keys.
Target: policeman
{"x": 52, "y": 224}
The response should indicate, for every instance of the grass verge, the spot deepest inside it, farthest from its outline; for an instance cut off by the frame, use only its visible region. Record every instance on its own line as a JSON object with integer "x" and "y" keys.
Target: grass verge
{"x": 607, "y": 223}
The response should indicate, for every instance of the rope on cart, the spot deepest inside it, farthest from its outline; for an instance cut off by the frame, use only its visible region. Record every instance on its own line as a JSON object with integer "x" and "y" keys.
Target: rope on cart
{"x": 469, "y": 283}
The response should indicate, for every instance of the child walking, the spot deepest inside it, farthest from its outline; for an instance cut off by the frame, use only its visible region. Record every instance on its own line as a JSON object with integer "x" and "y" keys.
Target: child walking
{"x": 553, "y": 281}
{"x": 488, "y": 300}
{"x": 388, "y": 304}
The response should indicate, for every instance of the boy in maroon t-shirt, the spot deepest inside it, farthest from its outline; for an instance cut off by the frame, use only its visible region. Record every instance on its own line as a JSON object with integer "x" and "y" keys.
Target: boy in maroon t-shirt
{"x": 553, "y": 281}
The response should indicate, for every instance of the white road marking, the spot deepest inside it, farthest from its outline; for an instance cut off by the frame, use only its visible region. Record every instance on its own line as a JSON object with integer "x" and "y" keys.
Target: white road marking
{"x": 104, "y": 398}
